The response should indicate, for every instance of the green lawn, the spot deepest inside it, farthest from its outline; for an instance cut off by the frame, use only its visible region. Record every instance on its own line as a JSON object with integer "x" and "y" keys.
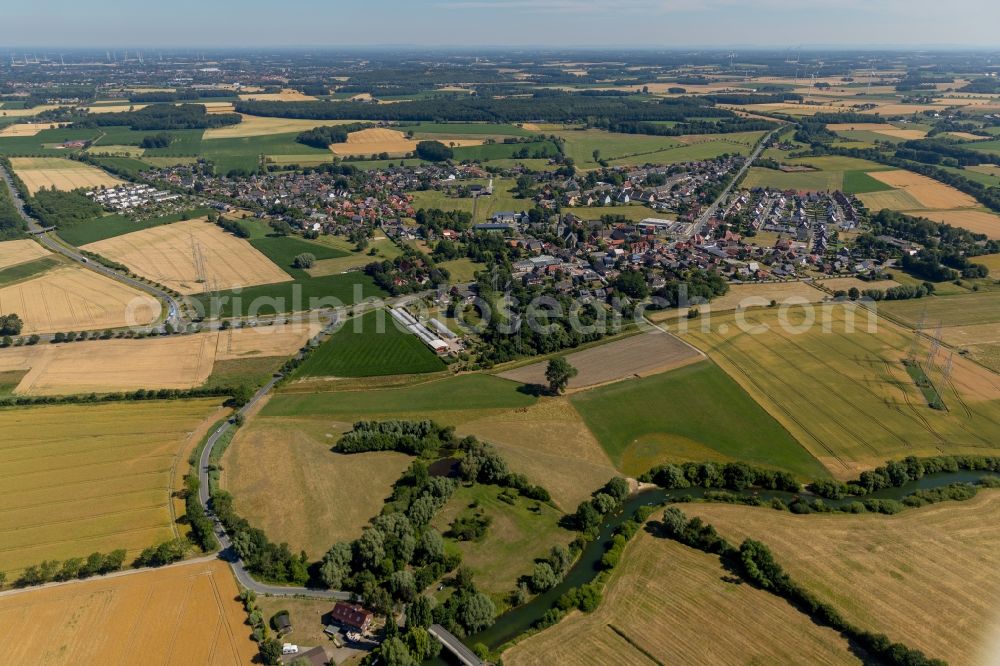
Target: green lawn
{"x": 282, "y": 250}
{"x": 705, "y": 150}
{"x": 303, "y": 293}
{"x": 581, "y": 144}
{"x": 244, "y": 152}
{"x": 518, "y": 534}
{"x": 462, "y": 392}
{"x": 462, "y": 270}
{"x": 110, "y": 226}
{"x": 859, "y": 182}
{"x": 803, "y": 181}
{"x": 501, "y": 200}
{"x": 693, "y": 413}
{"x": 369, "y": 346}
{"x": 992, "y": 147}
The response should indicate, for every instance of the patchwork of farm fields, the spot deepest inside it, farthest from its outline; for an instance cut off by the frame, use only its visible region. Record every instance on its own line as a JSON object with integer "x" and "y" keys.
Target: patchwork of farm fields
{"x": 61, "y": 174}
{"x": 76, "y": 299}
{"x": 17, "y": 252}
{"x": 191, "y": 257}
{"x": 179, "y": 615}
{"x": 85, "y": 478}
{"x": 326, "y": 497}
{"x": 663, "y": 605}
{"x": 925, "y": 577}
{"x": 370, "y": 345}
{"x": 175, "y": 362}
{"x": 845, "y": 394}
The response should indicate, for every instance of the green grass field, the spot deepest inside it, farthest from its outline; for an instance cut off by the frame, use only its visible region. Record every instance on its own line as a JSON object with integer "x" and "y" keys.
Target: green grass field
{"x": 462, "y": 270}
{"x": 804, "y": 181}
{"x": 581, "y": 144}
{"x": 302, "y": 294}
{"x": 370, "y": 345}
{"x": 859, "y": 182}
{"x": 692, "y": 413}
{"x": 519, "y": 534}
{"x": 282, "y": 250}
{"x": 45, "y": 142}
{"x": 503, "y": 151}
{"x": 244, "y": 152}
{"x": 110, "y": 226}
{"x": 501, "y": 200}
{"x": 130, "y": 166}
{"x": 991, "y": 147}
{"x": 28, "y": 269}
{"x": 461, "y": 393}
{"x": 731, "y": 144}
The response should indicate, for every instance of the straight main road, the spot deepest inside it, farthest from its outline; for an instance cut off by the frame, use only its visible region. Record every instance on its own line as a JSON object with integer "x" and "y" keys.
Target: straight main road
{"x": 699, "y": 227}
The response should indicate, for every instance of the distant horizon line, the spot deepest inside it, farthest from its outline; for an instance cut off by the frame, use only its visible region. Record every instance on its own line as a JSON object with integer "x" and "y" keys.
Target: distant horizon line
{"x": 535, "y": 48}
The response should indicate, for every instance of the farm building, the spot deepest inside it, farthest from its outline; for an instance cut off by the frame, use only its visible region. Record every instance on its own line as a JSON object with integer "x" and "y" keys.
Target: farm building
{"x": 352, "y": 616}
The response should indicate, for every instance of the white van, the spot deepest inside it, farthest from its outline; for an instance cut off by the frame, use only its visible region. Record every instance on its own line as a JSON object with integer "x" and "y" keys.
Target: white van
{"x": 289, "y": 648}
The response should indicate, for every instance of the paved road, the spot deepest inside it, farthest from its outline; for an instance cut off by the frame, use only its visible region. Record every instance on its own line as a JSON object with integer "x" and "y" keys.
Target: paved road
{"x": 711, "y": 210}
{"x": 173, "y": 307}
{"x": 455, "y": 646}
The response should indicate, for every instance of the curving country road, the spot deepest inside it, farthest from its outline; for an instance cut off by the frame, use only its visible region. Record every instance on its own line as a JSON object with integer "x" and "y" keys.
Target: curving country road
{"x": 43, "y": 236}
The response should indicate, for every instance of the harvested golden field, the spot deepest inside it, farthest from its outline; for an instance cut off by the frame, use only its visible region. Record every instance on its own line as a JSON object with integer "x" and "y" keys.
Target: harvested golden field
{"x": 27, "y": 129}
{"x": 925, "y": 577}
{"x": 115, "y": 108}
{"x": 750, "y": 295}
{"x": 929, "y": 192}
{"x": 76, "y": 299}
{"x": 884, "y": 128}
{"x": 182, "y": 614}
{"x": 191, "y": 257}
{"x": 59, "y": 173}
{"x": 676, "y": 605}
{"x": 287, "y": 481}
{"x": 22, "y": 251}
{"x": 844, "y": 392}
{"x": 23, "y": 113}
{"x": 550, "y": 444}
{"x": 976, "y": 221}
{"x": 634, "y": 356}
{"x": 966, "y": 136}
{"x": 286, "y": 95}
{"x": 218, "y": 107}
{"x": 381, "y": 140}
{"x": 262, "y": 126}
{"x": 175, "y": 362}
{"x": 85, "y": 478}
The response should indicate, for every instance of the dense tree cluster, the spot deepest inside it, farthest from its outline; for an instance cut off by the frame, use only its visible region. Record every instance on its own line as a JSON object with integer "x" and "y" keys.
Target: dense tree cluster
{"x": 323, "y": 137}
{"x": 416, "y": 438}
{"x": 162, "y": 117}
{"x": 267, "y": 560}
{"x": 897, "y": 473}
{"x": 554, "y": 106}
{"x": 11, "y": 222}
{"x": 695, "y": 286}
{"x": 407, "y": 273}
{"x": 162, "y": 97}
{"x": 10, "y": 324}
{"x": 944, "y": 152}
{"x": 161, "y": 140}
{"x": 731, "y": 476}
{"x": 437, "y": 220}
{"x": 56, "y": 208}
{"x": 434, "y": 151}
{"x": 235, "y": 227}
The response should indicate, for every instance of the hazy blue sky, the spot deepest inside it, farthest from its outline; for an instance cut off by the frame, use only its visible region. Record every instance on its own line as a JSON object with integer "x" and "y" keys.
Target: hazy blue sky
{"x": 585, "y": 23}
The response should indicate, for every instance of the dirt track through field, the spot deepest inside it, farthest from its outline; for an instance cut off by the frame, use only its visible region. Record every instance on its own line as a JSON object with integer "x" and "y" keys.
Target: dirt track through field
{"x": 191, "y": 257}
